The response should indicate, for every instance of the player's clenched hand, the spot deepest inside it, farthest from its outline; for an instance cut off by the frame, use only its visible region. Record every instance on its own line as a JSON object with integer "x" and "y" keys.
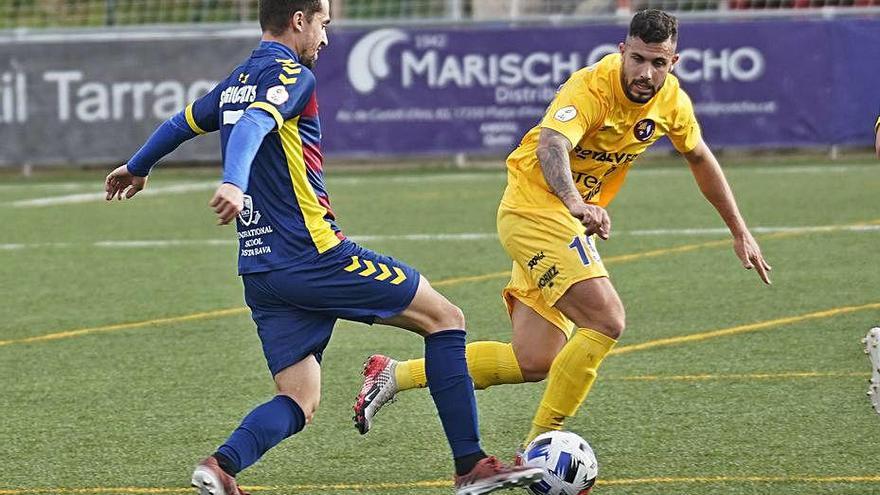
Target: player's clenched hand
{"x": 227, "y": 202}
{"x": 748, "y": 251}
{"x": 594, "y": 218}
{"x": 121, "y": 183}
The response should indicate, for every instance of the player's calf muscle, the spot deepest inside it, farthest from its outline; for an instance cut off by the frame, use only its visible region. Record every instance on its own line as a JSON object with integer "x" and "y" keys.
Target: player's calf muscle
{"x": 534, "y": 365}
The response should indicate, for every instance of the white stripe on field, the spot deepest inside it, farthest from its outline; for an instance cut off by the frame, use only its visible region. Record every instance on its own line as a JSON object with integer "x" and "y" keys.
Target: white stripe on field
{"x": 59, "y": 186}
{"x": 465, "y": 236}
{"x": 100, "y": 196}
{"x": 183, "y": 187}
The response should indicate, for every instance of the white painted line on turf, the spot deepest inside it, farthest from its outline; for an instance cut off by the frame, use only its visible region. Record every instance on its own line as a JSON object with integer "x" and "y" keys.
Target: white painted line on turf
{"x": 416, "y": 178}
{"x": 164, "y": 243}
{"x": 59, "y": 186}
{"x": 465, "y": 236}
{"x": 755, "y": 230}
{"x": 100, "y": 196}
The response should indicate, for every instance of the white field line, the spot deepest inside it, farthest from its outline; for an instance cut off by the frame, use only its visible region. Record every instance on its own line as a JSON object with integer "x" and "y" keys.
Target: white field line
{"x": 99, "y": 196}
{"x": 47, "y": 186}
{"x": 467, "y": 236}
{"x": 183, "y": 187}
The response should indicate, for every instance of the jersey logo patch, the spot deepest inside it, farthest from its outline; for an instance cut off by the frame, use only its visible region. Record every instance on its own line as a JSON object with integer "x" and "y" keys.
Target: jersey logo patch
{"x": 248, "y": 215}
{"x": 566, "y": 114}
{"x": 644, "y": 129}
{"x": 277, "y": 95}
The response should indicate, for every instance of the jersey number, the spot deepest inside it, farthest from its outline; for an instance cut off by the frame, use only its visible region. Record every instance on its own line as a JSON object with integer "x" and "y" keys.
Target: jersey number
{"x": 581, "y": 244}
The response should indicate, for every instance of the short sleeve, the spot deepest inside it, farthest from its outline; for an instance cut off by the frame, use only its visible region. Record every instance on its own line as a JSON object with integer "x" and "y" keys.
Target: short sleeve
{"x": 202, "y": 115}
{"x": 284, "y": 90}
{"x": 877, "y": 125}
{"x": 571, "y": 113}
{"x": 685, "y": 130}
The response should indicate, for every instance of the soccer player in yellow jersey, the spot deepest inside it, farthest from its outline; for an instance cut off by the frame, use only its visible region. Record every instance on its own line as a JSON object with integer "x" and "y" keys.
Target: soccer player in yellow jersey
{"x": 565, "y": 312}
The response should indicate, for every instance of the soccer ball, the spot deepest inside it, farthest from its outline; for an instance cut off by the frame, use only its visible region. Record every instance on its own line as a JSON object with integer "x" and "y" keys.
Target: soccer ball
{"x": 570, "y": 466}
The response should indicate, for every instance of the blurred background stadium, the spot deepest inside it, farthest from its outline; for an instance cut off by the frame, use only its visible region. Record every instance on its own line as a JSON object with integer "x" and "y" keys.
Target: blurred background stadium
{"x": 447, "y": 79}
{"x": 78, "y": 13}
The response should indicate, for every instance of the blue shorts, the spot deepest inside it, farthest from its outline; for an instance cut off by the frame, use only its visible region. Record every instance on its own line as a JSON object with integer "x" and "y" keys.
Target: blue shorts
{"x": 295, "y": 308}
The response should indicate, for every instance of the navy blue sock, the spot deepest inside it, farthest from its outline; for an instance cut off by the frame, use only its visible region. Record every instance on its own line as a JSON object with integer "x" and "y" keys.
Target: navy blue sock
{"x": 265, "y": 427}
{"x": 453, "y": 391}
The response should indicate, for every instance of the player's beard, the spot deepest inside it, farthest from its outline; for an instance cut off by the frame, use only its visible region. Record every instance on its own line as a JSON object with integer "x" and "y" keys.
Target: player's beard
{"x": 640, "y": 97}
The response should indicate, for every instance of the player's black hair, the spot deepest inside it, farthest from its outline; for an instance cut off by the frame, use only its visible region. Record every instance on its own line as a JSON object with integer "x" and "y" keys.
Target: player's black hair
{"x": 275, "y": 14}
{"x": 654, "y": 26}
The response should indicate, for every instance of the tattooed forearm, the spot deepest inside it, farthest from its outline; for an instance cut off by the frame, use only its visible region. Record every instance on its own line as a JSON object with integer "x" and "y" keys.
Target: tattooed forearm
{"x": 553, "y": 155}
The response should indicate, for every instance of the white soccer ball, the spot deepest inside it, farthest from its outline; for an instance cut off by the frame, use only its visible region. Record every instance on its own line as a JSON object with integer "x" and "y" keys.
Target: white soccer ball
{"x": 570, "y": 466}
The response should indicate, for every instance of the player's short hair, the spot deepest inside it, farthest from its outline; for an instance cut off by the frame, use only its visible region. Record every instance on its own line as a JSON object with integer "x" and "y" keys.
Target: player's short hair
{"x": 654, "y": 26}
{"x": 275, "y": 14}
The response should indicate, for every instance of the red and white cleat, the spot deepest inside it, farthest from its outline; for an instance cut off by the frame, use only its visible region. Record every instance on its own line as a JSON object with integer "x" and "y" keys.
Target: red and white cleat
{"x": 209, "y": 479}
{"x": 490, "y": 474}
{"x": 378, "y": 389}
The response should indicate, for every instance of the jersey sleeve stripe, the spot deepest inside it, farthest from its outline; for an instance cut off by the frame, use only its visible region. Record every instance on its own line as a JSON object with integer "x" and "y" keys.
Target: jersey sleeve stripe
{"x": 262, "y": 105}
{"x": 313, "y": 213}
{"x": 191, "y": 120}
{"x": 877, "y": 125}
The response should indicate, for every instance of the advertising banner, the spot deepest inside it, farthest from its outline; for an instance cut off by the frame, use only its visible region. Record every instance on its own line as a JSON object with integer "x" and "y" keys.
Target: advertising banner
{"x": 416, "y": 91}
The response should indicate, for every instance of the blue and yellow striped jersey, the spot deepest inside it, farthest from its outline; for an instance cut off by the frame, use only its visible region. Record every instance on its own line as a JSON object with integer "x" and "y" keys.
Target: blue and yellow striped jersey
{"x": 287, "y": 218}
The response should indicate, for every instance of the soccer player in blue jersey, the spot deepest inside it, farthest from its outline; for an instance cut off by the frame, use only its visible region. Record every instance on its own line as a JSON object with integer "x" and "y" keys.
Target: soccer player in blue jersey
{"x": 300, "y": 273}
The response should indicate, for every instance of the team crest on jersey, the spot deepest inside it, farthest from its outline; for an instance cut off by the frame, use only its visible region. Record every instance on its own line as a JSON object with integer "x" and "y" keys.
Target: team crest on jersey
{"x": 566, "y": 114}
{"x": 277, "y": 95}
{"x": 248, "y": 215}
{"x": 644, "y": 129}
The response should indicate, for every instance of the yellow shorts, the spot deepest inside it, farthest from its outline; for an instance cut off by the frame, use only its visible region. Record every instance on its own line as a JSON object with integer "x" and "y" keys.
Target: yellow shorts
{"x": 550, "y": 253}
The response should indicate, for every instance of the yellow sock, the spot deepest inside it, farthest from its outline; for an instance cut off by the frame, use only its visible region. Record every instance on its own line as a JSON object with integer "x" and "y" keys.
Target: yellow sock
{"x": 411, "y": 374}
{"x": 571, "y": 376}
{"x": 489, "y": 363}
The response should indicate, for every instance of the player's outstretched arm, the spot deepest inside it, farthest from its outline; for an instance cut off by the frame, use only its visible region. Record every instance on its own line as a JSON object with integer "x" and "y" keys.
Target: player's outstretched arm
{"x": 553, "y": 150}
{"x": 129, "y": 179}
{"x": 714, "y": 186}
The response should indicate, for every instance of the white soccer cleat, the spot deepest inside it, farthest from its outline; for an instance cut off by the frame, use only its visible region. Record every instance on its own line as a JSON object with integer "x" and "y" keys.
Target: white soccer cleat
{"x": 378, "y": 389}
{"x": 490, "y": 475}
{"x": 872, "y": 349}
{"x": 209, "y": 479}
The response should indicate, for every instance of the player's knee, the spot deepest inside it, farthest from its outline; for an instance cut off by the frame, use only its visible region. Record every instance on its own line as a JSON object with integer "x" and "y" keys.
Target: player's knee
{"x": 446, "y": 316}
{"x": 454, "y": 317}
{"x": 612, "y": 324}
{"x": 308, "y": 405}
{"x": 534, "y": 365}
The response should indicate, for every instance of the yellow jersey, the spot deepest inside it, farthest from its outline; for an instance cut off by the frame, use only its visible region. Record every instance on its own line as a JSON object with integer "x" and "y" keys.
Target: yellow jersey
{"x": 607, "y": 131}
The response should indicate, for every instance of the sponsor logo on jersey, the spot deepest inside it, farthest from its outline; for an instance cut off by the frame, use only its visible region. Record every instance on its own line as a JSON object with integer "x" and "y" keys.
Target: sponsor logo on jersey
{"x": 619, "y": 157}
{"x": 546, "y": 279}
{"x": 234, "y": 95}
{"x": 644, "y": 129}
{"x": 536, "y": 259}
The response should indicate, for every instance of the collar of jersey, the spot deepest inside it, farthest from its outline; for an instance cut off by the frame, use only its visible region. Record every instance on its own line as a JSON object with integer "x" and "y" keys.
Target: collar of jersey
{"x": 276, "y": 47}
